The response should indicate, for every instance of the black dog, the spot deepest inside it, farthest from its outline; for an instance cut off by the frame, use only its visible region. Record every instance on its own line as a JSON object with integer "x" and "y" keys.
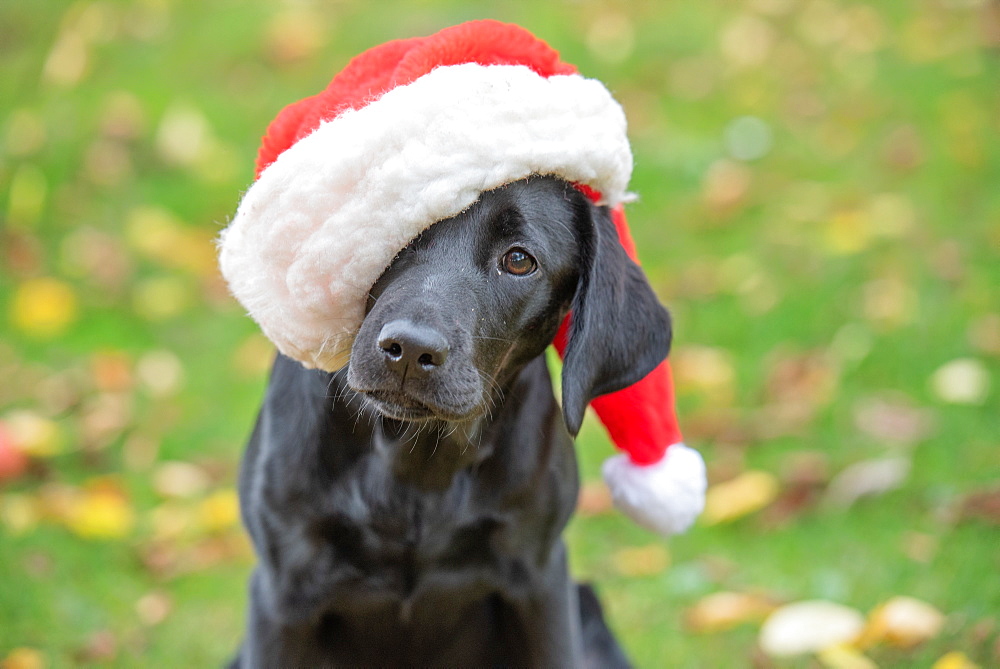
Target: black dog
{"x": 407, "y": 510}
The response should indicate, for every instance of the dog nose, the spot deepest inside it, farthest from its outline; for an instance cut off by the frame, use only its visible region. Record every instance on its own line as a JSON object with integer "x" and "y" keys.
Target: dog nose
{"x": 406, "y": 344}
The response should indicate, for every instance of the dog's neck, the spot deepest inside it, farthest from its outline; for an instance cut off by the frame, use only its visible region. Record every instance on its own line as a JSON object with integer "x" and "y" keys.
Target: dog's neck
{"x": 428, "y": 454}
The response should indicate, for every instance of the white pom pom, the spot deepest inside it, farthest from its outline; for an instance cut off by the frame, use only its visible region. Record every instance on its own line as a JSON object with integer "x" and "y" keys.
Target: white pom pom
{"x": 665, "y": 496}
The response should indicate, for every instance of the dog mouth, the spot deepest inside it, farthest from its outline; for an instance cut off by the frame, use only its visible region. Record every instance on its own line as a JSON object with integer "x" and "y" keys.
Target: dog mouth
{"x": 400, "y": 406}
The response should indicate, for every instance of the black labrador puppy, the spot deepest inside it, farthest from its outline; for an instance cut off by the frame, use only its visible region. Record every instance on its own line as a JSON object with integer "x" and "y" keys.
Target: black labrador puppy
{"x": 408, "y": 509}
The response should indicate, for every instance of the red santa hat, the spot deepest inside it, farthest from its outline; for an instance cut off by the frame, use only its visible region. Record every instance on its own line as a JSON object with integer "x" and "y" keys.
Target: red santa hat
{"x": 411, "y": 133}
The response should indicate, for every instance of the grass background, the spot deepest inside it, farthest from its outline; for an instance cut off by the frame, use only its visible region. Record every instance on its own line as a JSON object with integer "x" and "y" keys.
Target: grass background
{"x": 819, "y": 208}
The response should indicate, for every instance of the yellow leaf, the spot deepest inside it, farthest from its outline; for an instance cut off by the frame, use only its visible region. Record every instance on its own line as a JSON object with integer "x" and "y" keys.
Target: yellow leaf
{"x": 721, "y": 611}
{"x": 180, "y": 479}
{"x": 19, "y": 513}
{"x": 841, "y": 656}
{"x": 954, "y": 660}
{"x": 160, "y": 298}
{"x": 220, "y": 510}
{"x": 745, "y": 494}
{"x": 23, "y": 658}
{"x": 705, "y": 370}
{"x": 848, "y": 232}
{"x": 641, "y": 560}
{"x": 43, "y": 307}
{"x": 962, "y": 381}
{"x": 809, "y": 627}
{"x": 294, "y": 35}
{"x": 101, "y": 514}
{"x": 902, "y": 622}
{"x": 33, "y": 434}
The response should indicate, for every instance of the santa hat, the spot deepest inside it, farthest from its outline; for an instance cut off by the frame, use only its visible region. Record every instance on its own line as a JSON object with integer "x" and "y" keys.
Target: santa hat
{"x": 413, "y": 132}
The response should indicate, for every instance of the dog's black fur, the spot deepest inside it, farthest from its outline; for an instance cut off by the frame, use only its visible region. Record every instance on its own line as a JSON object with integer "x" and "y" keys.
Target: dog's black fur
{"x": 408, "y": 509}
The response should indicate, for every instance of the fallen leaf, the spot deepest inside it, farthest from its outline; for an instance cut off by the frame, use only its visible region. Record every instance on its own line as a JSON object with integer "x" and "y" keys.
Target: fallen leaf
{"x": 725, "y": 187}
{"x": 180, "y": 479}
{"x": 893, "y": 420}
{"x": 293, "y": 35}
{"x": 721, "y": 611}
{"x": 611, "y": 36}
{"x": 160, "y": 372}
{"x": 961, "y": 381}
{"x": 13, "y": 461}
{"x": 848, "y": 232}
{"x": 160, "y": 298}
{"x": 954, "y": 660}
{"x": 111, "y": 371}
{"x": 808, "y": 627}
{"x": 903, "y": 622}
{"x": 219, "y": 511}
{"x": 21, "y": 253}
{"x": 745, "y": 494}
{"x": 183, "y": 135}
{"x": 705, "y": 370}
{"x": 803, "y": 478}
{"x": 798, "y": 385}
{"x": 101, "y": 514}
{"x": 19, "y": 512}
{"x": 43, "y": 307}
{"x": 983, "y": 505}
{"x": 100, "y": 647}
{"x": 865, "y": 479}
{"x": 641, "y": 560}
{"x": 154, "y": 607}
{"x": 33, "y": 434}
{"x": 57, "y": 500}
{"x": 892, "y": 214}
{"x": 23, "y": 658}
{"x": 842, "y": 656}
{"x": 746, "y": 40}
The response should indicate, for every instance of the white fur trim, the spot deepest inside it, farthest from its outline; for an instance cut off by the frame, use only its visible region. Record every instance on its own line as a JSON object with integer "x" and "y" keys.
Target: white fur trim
{"x": 666, "y": 496}
{"x": 325, "y": 219}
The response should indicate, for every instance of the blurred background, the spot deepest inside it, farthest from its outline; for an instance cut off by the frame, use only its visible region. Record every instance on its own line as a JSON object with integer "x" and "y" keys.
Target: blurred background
{"x": 819, "y": 208}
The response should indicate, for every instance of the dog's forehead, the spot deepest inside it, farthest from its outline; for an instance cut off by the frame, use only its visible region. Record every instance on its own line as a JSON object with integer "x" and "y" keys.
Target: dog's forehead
{"x": 539, "y": 208}
{"x": 537, "y": 213}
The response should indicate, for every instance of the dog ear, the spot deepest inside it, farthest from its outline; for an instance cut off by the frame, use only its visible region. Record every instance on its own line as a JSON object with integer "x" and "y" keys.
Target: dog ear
{"x": 618, "y": 330}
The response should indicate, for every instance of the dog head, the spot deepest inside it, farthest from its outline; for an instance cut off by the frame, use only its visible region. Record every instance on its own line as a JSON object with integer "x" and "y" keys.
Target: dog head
{"x": 474, "y": 298}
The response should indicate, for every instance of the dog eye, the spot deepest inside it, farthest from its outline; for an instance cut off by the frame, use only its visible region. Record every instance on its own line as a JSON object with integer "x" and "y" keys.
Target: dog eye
{"x": 518, "y": 262}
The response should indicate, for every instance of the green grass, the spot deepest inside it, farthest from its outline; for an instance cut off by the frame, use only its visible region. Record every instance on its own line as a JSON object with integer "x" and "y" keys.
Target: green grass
{"x": 808, "y": 261}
